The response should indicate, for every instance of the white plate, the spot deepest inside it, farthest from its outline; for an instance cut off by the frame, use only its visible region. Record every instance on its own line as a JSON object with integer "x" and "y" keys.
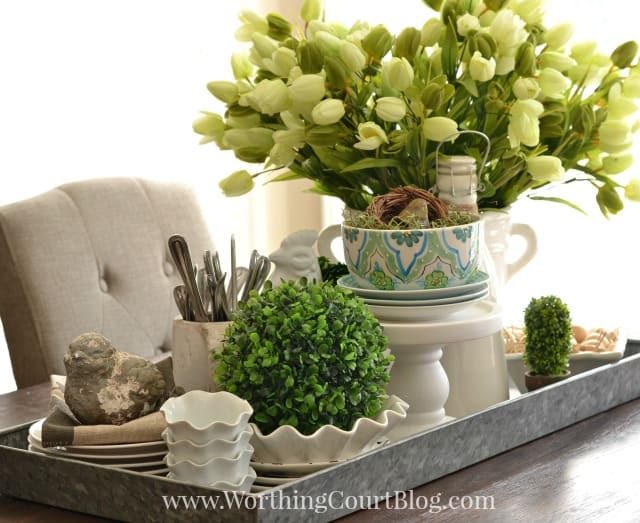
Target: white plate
{"x": 291, "y": 470}
{"x": 122, "y": 463}
{"x": 71, "y": 452}
{"x": 348, "y": 282}
{"x": 35, "y": 431}
{"x": 421, "y": 313}
{"x": 272, "y": 481}
{"x": 436, "y": 301}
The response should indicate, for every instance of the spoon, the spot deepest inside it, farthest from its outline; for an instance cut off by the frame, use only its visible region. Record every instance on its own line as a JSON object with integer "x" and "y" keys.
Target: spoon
{"x": 182, "y": 257}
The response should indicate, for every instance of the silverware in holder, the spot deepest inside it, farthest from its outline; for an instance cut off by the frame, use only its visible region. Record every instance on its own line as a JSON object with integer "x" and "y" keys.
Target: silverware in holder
{"x": 204, "y": 296}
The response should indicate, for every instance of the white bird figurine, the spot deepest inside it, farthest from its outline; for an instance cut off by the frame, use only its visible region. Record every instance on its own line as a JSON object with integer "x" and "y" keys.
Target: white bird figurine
{"x": 296, "y": 259}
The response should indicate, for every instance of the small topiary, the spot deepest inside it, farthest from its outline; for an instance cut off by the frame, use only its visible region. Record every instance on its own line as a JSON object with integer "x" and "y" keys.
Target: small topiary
{"x": 547, "y": 336}
{"x": 305, "y": 355}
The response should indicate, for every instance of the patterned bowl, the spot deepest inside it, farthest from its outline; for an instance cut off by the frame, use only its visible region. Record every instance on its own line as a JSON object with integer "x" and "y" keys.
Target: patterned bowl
{"x": 412, "y": 259}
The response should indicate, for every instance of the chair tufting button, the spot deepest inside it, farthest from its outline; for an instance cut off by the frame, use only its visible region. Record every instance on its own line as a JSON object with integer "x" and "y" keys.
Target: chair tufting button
{"x": 104, "y": 286}
{"x": 168, "y": 268}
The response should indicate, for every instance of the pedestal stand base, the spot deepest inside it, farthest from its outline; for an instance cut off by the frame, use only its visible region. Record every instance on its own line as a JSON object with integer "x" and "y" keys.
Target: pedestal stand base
{"x": 417, "y": 375}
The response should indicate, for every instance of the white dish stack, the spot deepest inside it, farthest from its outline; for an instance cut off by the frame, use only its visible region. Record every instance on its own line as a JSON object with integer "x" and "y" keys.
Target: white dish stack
{"x": 208, "y": 437}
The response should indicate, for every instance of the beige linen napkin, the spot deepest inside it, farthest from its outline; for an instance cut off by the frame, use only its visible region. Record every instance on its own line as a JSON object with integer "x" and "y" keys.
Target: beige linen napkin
{"x": 62, "y": 428}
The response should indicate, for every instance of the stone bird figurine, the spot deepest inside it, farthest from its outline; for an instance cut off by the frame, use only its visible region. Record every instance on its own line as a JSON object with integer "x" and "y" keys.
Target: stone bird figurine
{"x": 108, "y": 386}
{"x": 296, "y": 259}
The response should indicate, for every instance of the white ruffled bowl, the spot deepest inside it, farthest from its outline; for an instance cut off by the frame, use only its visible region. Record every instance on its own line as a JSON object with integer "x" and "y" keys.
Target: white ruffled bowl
{"x": 213, "y": 471}
{"x": 244, "y": 485}
{"x": 185, "y": 450}
{"x": 328, "y": 443}
{"x": 200, "y": 416}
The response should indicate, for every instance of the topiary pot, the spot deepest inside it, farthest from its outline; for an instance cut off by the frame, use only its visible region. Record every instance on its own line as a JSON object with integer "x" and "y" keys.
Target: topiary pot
{"x": 536, "y": 381}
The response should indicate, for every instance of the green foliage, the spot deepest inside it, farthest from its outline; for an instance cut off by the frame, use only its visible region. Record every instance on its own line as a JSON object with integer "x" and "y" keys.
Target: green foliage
{"x": 331, "y": 271}
{"x": 305, "y": 355}
{"x": 495, "y": 66}
{"x": 548, "y": 335}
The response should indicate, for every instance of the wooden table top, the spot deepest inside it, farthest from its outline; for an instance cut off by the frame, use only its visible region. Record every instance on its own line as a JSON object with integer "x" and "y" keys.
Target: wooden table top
{"x": 584, "y": 473}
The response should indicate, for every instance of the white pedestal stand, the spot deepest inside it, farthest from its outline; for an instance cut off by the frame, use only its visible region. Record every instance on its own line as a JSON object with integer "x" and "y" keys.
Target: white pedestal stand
{"x": 417, "y": 375}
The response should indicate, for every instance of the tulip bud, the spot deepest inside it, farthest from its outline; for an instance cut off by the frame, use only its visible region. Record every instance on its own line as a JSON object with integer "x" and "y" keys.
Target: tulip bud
{"x": 431, "y": 32}
{"x": 558, "y": 35}
{"x": 624, "y": 54}
{"x": 609, "y": 200}
{"x": 338, "y": 76}
{"x": 378, "y": 42}
{"x": 615, "y": 164}
{"x": 526, "y": 60}
{"x": 525, "y": 88}
{"x": 621, "y": 107}
{"x": 558, "y": 61}
{"x": 328, "y": 111}
{"x": 281, "y": 155}
{"x": 270, "y": 97}
{"x": 582, "y": 51}
{"x": 615, "y": 136}
{"x": 390, "y": 109}
{"x": 398, "y": 73}
{"x": 226, "y": 92}
{"x": 485, "y": 44}
{"x": 495, "y": 5}
{"x": 322, "y": 136}
{"x": 439, "y": 128}
{"x": 467, "y": 23}
{"x": 481, "y": 69}
{"x": 329, "y": 44}
{"x": 505, "y": 64}
{"x": 310, "y": 57}
{"x": 237, "y": 183}
{"x": 264, "y": 45}
{"x": 252, "y": 23}
{"x": 523, "y": 123}
{"x": 279, "y": 27}
{"x": 450, "y": 11}
{"x": 290, "y": 137}
{"x": 545, "y": 169}
{"x": 352, "y": 56}
{"x": 244, "y": 121}
{"x": 281, "y": 62}
{"x": 311, "y": 10}
{"x": 258, "y": 138}
{"x": 371, "y": 136}
{"x": 632, "y": 190}
{"x": 407, "y": 43}
{"x": 432, "y": 96}
{"x": 241, "y": 66}
{"x": 553, "y": 83}
{"x": 308, "y": 88}
{"x": 211, "y": 126}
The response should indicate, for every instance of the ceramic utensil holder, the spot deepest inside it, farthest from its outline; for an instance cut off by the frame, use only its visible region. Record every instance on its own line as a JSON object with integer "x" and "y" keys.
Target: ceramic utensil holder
{"x": 193, "y": 343}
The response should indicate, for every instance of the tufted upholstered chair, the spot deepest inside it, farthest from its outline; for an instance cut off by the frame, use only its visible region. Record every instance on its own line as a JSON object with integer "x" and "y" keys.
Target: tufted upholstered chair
{"x": 92, "y": 256}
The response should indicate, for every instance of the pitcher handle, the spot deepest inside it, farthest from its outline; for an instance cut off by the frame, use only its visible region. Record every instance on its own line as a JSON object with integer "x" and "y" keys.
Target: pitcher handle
{"x": 531, "y": 241}
{"x": 325, "y": 240}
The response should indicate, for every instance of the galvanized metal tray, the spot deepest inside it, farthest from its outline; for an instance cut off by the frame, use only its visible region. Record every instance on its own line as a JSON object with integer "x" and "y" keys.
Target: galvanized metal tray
{"x": 332, "y": 492}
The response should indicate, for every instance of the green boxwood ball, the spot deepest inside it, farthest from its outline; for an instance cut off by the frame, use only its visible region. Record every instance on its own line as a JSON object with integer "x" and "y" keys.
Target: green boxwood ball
{"x": 305, "y": 355}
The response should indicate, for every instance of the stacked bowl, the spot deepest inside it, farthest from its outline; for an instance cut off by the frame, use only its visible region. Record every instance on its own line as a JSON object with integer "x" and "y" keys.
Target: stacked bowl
{"x": 207, "y": 436}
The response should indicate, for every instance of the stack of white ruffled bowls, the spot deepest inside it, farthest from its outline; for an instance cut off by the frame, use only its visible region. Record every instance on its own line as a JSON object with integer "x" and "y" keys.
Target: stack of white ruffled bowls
{"x": 208, "y": 437}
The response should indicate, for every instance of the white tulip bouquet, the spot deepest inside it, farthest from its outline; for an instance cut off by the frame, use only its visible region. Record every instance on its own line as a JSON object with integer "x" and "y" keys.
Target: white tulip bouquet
{"x": 359, "y": 111}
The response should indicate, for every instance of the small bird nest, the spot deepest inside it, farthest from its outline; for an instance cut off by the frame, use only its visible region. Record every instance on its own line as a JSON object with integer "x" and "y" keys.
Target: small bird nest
{"x": 386, "y": 207}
